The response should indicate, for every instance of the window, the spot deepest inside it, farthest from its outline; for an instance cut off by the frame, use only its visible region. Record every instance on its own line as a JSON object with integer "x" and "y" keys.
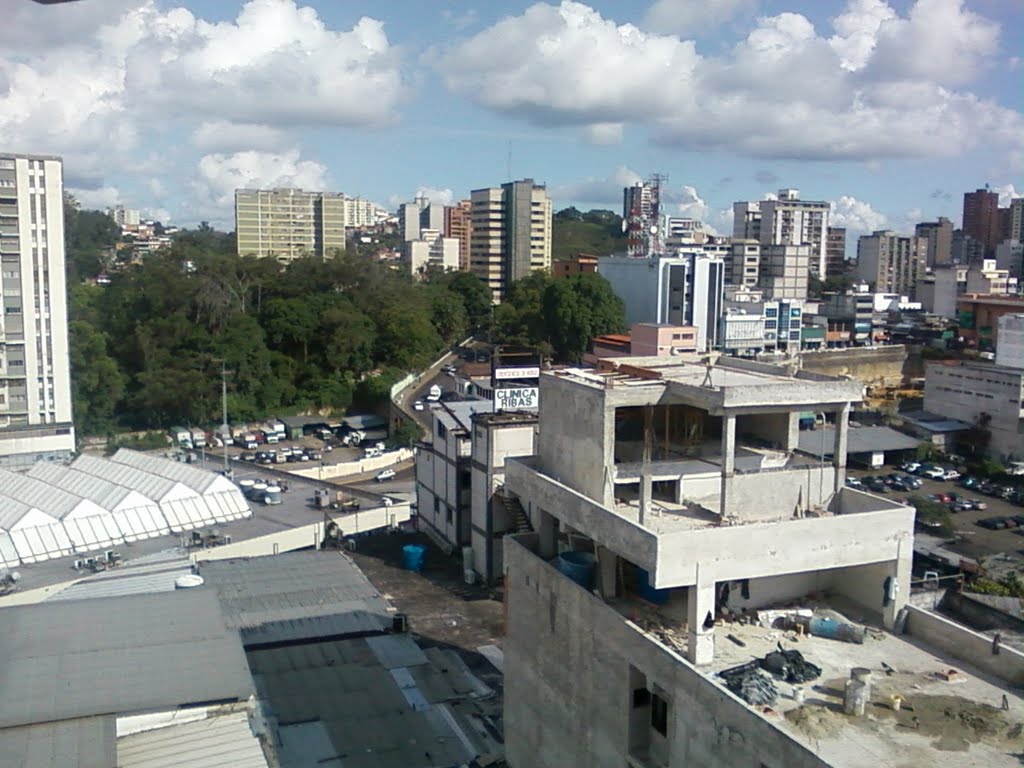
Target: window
{"x": 448, "y": 514}
{"x": 437, "y": 505}
{"x": 641, "y": 698}
{"x": 659, "y": 714}
{"x": 442, "y": 431}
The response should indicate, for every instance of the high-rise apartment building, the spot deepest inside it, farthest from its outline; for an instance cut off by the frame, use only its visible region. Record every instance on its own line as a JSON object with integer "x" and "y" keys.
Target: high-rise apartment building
{"x": 940, "y": 240}
{"x": 35, "y": 375}
{"x": 785, "y": 271}
{"x": 125, "y": 217}
{"x": 891, "y": 263}
{"x": 1013, "y": 220}
{"x": 457, "y": 226}
{"x": 835, "y": 251}
{"x": 787, "y": 220}
{"x": 981, "y": 217}
{"x": 511, "y": 233}
{"x": 288, "y": 224}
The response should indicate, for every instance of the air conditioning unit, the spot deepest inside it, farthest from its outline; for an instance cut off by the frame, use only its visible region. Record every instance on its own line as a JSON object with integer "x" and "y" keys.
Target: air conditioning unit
{"x": 79, "y": 564}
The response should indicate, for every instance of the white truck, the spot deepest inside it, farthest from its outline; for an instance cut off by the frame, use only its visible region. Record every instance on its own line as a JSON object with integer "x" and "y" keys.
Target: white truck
{"x": 198, "y": 437}
{"x": 181, "y": 437}
{"x": 434, "y": 394}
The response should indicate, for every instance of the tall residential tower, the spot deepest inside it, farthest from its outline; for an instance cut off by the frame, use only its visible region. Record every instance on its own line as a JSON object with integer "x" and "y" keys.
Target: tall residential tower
{"x": 510, "y": 234}
{"x": 287, "y": 224}
{"x": 35, "y": 377}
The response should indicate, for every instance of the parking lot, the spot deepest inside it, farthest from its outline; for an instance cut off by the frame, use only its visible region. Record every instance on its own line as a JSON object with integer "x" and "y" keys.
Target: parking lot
{"x": 971, "y": 540}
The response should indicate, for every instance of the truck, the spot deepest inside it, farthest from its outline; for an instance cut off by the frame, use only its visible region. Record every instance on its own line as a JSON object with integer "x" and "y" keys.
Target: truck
{"x": 198, "y": 437}
{"x": 247, "y": 440}
{"x": 275, "y": 430}
{"x": 181, "y": 437}
{"x": 434, "y": 394}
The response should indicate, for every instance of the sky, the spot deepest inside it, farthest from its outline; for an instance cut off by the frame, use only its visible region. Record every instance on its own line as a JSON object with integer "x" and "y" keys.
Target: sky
{"x": 890, "y": 109}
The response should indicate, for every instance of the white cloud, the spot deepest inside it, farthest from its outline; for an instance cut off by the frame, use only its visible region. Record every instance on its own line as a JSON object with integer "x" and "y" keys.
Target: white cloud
{"x": 97, "y": 199}
{"x": 692, "y": 17}
{"x": 98, "y": 74}
{"x": 435, "y": 195}
{"x": 603, "y": 134}
{"x": 606, "y": 191}
{"x": 218, "y": 176}
{"x": 222, "y": 135}
{"x": 876, "y": 86}
{"x": 689, "y": 204}
{"x": 1007, "y": 192}
{"x": 566, "y": 64}
{"x": 856, "y": 215}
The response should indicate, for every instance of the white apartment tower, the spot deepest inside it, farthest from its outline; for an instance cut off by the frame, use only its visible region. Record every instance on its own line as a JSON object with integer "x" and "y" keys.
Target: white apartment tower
{"x": 511, "y": 234}
{"x": 35, "y": 377}
{"x": 787, "y": 220}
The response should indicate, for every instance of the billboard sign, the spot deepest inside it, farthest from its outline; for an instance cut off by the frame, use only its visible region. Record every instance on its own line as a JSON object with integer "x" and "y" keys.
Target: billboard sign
{"x": 517, "y": 372}
{"x": 516, "y": 398}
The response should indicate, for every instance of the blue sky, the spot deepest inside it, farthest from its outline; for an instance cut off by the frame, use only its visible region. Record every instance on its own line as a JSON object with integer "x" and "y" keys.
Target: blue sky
{"x": 890, "y": 109}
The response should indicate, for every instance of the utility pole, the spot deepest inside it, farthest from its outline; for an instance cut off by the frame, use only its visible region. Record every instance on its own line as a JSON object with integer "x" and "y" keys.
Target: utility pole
{"x": 225, "y": 429}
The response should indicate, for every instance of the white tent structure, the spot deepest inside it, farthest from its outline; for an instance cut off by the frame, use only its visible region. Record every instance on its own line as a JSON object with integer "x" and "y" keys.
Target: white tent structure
{"x": 34, "y": 535}
{"x": 88, "y": 525}
{"x": 221, "y": 499}
{"x": 135, "y": 516}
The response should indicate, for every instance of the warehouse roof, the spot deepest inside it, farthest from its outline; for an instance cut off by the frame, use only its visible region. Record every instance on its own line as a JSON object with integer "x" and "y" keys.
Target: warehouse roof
{"x": 364, "y": 421}
{"x": 291, "y": 586}
{"x": 138, "y": 576}
{"x": 153, "y": 487}
{"x": 223, "y": 740}
{"x": 85, "y": 742}
{"x": 859, "y": 440}
{"x": 73, "y": 659}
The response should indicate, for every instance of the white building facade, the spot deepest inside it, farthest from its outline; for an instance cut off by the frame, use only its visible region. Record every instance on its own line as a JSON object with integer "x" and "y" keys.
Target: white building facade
{"x": 35, "y": 376}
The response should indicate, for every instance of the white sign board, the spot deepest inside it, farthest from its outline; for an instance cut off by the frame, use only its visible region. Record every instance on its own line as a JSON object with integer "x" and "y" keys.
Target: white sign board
{"x": 515, "y": 398}
{"x": 519, "y": 372}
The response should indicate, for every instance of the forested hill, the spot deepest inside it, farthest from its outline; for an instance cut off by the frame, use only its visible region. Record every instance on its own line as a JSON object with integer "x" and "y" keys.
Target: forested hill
{"x": 595, "y": 232}
{"x": 147, "y": 349}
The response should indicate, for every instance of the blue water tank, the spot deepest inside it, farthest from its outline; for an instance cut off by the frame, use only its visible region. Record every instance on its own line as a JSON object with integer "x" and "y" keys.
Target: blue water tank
{"x": 412, "y": 557}
{"x": 647, "y": 590}
{"x": 579, "y": 566}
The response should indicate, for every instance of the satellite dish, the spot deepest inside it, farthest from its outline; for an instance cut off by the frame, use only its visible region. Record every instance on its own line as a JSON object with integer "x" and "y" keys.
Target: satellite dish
{"x": 654, "y": 229}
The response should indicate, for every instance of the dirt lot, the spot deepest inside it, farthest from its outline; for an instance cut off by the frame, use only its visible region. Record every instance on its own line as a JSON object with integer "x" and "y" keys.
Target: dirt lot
{"x": 971, "y": 539}
{"x": 440, "y": 606}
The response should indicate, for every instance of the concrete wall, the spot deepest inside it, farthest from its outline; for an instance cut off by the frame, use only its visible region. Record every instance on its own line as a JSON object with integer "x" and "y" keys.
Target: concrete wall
{"x": 776, "y": 494}
{"x": 359, "y": 467}
{"x": 571, "y": 664}
{"x": 878, "y": 366}
{"x": 577, "y": 435}
{"x": 964, "y": 644}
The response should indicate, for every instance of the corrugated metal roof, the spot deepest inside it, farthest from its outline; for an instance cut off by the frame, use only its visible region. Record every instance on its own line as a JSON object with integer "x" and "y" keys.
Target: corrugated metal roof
{"x": 11, "y": 512}
{"x": 858, "y": 440}
{"x": 224, "y": 741}
{"x": 136, "y": 577}
{"x": 78, "y": 658}
{"x": 289, "y": 630}
{"x": 292, "y": 585}
{"x": 374, "y": 718}
{"x": 86, "y": 742}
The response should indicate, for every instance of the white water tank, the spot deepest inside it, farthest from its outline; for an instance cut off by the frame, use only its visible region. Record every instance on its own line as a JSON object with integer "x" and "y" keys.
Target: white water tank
{"x": 188, "y": 581}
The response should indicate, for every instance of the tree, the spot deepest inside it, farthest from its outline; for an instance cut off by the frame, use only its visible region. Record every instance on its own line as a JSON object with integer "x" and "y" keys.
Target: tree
{"x": 97, "y": 382}
{"x": 933, "y": 515}
{"x": 475, "y": 295}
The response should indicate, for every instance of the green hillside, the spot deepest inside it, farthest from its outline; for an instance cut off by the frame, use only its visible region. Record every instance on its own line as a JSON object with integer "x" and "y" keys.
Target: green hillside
{"x": 595, "y": 232}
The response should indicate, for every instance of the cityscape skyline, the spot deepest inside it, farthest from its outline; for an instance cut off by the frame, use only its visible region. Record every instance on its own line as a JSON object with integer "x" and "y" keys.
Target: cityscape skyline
{"x": 850, "y": 106}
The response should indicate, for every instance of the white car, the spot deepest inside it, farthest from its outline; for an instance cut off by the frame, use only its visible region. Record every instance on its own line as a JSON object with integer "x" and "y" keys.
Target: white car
{"x": 951, "y": 474}
{"x": 934, "y": 473}
{"x": 385, "y": 474}
{"x": 418, "y": 405}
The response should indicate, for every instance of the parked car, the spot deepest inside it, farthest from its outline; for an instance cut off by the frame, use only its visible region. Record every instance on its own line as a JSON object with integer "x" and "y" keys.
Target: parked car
{"x": 910, "y": 466}
{"x": 875, "y": 485}
{"x": 933, "y": 473}
{"x": 913, "y": 482}
{"x": 418, "y": 405}
{"x": 968, "y": 482}
{"x": 449, "y": 369}
{"x": 942, "y": 498}
{"x": 951, "y": 474}
{"x": 248, "y": 456}
{"x": 385, "y": 474}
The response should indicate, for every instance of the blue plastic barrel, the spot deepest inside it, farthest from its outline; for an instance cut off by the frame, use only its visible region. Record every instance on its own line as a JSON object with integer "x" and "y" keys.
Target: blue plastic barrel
{"x": 579, "y": 566}
{"x": 412, "y": 557}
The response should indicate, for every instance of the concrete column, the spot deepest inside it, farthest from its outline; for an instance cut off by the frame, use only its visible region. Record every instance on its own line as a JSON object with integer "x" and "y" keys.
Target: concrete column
{"x": 901, "y": 572}
{"x": 547, "y": 532}
{"x": 607, "y": 565}
{"x": 839, "y": 447}
{"x": 700, "y": 601}
{"x": 728, "y": 462}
